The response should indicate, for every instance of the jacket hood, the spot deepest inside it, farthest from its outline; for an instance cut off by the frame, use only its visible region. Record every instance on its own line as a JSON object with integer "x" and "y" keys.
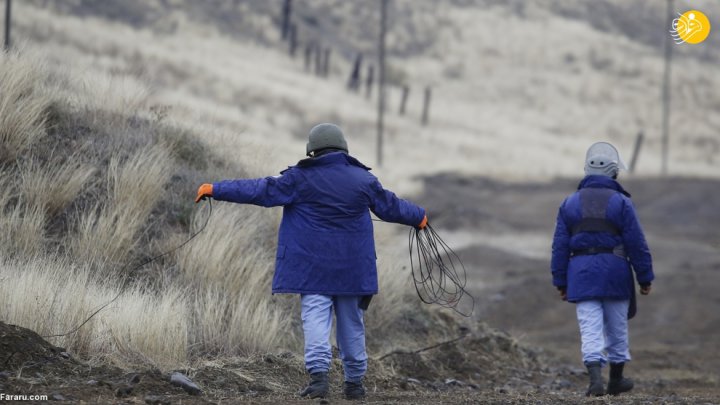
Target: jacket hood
{"x": 331, "y": 158}
{"x": 599, "y": 181}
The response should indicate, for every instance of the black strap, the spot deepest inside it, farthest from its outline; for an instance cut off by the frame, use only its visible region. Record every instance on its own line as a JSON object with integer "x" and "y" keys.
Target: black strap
{"x": 591, "y": 251}
{"x": 595, "y": 225}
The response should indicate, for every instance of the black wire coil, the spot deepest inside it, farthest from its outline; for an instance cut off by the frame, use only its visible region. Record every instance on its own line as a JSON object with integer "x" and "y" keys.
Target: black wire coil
{"x": 438, "y": 274}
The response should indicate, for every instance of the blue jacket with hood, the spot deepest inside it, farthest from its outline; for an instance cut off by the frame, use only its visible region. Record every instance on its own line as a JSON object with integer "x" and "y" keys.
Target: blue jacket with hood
{"x": 601, "y": 275}
{"x": 325, "y": 243}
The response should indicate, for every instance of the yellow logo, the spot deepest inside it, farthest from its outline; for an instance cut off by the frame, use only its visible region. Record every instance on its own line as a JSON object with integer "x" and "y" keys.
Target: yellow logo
{"x": 691, "y": 27}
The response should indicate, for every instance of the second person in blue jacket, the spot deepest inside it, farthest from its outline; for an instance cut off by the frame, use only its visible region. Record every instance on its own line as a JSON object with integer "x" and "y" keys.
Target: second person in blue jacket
{"x": 598, "y": 241}
{"x": 326, "y": 248}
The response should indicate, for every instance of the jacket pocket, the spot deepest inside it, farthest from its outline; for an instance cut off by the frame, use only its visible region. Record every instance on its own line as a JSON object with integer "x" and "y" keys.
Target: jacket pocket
{"x": 280, "y": 252}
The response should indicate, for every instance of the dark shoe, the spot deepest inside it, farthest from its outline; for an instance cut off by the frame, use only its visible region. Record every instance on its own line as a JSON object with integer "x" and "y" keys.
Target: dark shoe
{"x": 618, "y": 384}
{"x": 318, "y": 386}
{"x": 597, "y": 386}
{"x": 354, "y": 390}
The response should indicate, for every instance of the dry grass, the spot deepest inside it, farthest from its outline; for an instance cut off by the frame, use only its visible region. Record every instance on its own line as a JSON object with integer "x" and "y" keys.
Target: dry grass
{"x": 23, "y": 105}
{"x": 107, "y": 233}
{"x": 53, "y": 297}
{"x": 53, "y": 185}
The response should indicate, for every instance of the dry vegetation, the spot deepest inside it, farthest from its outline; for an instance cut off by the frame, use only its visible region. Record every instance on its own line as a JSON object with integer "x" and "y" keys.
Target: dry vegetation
{"x": 92, "y": 193}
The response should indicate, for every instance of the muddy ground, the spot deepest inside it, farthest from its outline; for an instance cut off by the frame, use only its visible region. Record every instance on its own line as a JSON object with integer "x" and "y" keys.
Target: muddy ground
{"x": 503, "y": 233}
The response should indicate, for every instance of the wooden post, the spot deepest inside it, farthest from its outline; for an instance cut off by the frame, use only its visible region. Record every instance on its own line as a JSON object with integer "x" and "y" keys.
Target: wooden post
{"x": 369, "y": 81}
{"x": 308, "y": 56}
{"x": 293, "y": 40}
{"x": 318, "y": 59}
{"x": 636, "y": 151}
{"x": 286, "y": 11}
{"x": 354, "y": 80}
{"x": 326, "y": 62}
{"x": 8, "y": 7}
{"x": 381, "y": 80}
{"x": 666, "y": 92}
{"x": 403, "y": 99}
{"x": 426, "y": 105}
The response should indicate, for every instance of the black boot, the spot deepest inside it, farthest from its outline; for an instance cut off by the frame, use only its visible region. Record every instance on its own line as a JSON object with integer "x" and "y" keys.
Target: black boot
{"x": 618, "y": 383}
{"x": 597, "y": 387}
{"x": 354, "y": 390}
{"x": 318, "y": 386}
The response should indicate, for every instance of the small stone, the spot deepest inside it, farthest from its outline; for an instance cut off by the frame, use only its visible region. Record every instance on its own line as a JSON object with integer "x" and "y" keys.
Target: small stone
{"x": 57, "y": 397}
{"x": 65, "y": 355}
{"x": 182, "y": 381}
{"x": 124, "y": 391}
{"x": 92, "y": 382}
{"x": 453, "y": 382}
{"x": 413, "y": 380}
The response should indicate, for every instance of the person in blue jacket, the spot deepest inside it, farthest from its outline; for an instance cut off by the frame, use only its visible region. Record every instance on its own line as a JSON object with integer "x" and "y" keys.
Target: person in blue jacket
{"x": 326, "y": 249}
{"x": 598, "y": 240}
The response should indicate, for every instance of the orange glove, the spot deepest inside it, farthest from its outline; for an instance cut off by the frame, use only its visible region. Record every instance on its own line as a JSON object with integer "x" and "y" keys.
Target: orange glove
{"x": 204, "y": 192}
{"x": 423, "y": 224}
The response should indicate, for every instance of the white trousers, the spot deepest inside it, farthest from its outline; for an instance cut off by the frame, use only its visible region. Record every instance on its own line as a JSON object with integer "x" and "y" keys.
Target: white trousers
{"x": 604, "y": 330}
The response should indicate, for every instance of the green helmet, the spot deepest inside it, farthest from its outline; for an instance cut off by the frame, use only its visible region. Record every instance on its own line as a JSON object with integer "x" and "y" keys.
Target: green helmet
{"x": 324, "y": 136}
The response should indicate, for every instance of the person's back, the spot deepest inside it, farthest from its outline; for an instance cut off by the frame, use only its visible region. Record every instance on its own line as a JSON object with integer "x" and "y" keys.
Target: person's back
{"x": 598, "y": 242}
{"x": 326, "y": 249}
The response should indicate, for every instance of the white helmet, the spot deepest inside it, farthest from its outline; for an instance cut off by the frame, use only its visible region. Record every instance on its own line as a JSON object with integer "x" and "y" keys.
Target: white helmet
{"x": 603, "y": 159}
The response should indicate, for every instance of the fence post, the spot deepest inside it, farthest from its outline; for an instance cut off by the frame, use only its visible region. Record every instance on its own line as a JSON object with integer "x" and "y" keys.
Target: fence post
{"x": 403, "y": 99}
{"x": 354, "y": 81}
{"x": 308, "y": 56}
{"x": 636, "y": 151}
{"x": 286, "y": 11}
{"x": 326, "y": 62}
{"x": 381, "y": 80}
{"x": 293, "y": 40}
{"x": 426, "y": 105}
{"x": 318, "y": 59}
{"x": 369, "y": 81}
{"x": 8, "y": 6}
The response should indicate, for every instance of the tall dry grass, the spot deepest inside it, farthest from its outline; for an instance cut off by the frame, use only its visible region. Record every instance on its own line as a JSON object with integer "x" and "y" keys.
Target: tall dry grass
{"x": 23, "y": 105}
{"x": 109, "y": 231}
{"x": 69, "y": 223}
{"x": 52, "y": 296}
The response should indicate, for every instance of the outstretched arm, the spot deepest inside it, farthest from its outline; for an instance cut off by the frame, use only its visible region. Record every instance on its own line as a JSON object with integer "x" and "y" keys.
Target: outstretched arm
{"x": 265, "y": 192}
{"x": 388, "y": 207}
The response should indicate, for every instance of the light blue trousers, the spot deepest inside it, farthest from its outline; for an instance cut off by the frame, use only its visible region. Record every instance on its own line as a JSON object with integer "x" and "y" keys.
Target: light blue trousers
{"x": 317, "y": 313}
{"x": 604, "y": 330}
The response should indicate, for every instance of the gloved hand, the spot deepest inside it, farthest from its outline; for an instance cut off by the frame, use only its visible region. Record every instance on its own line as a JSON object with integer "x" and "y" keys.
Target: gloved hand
{"x": 423, "y": 224}
{"x": 563, "y": 293}
{"x": 204, "y": 192}
{"x": 645, "y": 289}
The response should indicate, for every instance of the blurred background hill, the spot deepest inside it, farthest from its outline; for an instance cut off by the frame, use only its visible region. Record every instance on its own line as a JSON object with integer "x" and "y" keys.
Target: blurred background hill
{"x": 549, "y": 75}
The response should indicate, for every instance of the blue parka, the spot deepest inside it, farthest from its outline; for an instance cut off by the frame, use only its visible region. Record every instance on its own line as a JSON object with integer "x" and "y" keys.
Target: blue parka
{"x": 325, "y": 242}
{"x": 601, "y": 275}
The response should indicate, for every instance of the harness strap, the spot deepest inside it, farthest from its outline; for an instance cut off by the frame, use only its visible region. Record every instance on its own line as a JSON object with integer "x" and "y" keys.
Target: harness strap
{"x": 591, "y": 251}
{"x": 595, "y": 225}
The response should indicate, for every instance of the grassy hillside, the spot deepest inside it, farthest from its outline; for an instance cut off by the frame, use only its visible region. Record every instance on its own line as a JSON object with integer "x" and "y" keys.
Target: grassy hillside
{"x": 95, "y": 182}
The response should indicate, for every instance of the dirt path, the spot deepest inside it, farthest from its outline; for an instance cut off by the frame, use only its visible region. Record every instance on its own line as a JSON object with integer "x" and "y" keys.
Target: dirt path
{"x": 505, "y": 231}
